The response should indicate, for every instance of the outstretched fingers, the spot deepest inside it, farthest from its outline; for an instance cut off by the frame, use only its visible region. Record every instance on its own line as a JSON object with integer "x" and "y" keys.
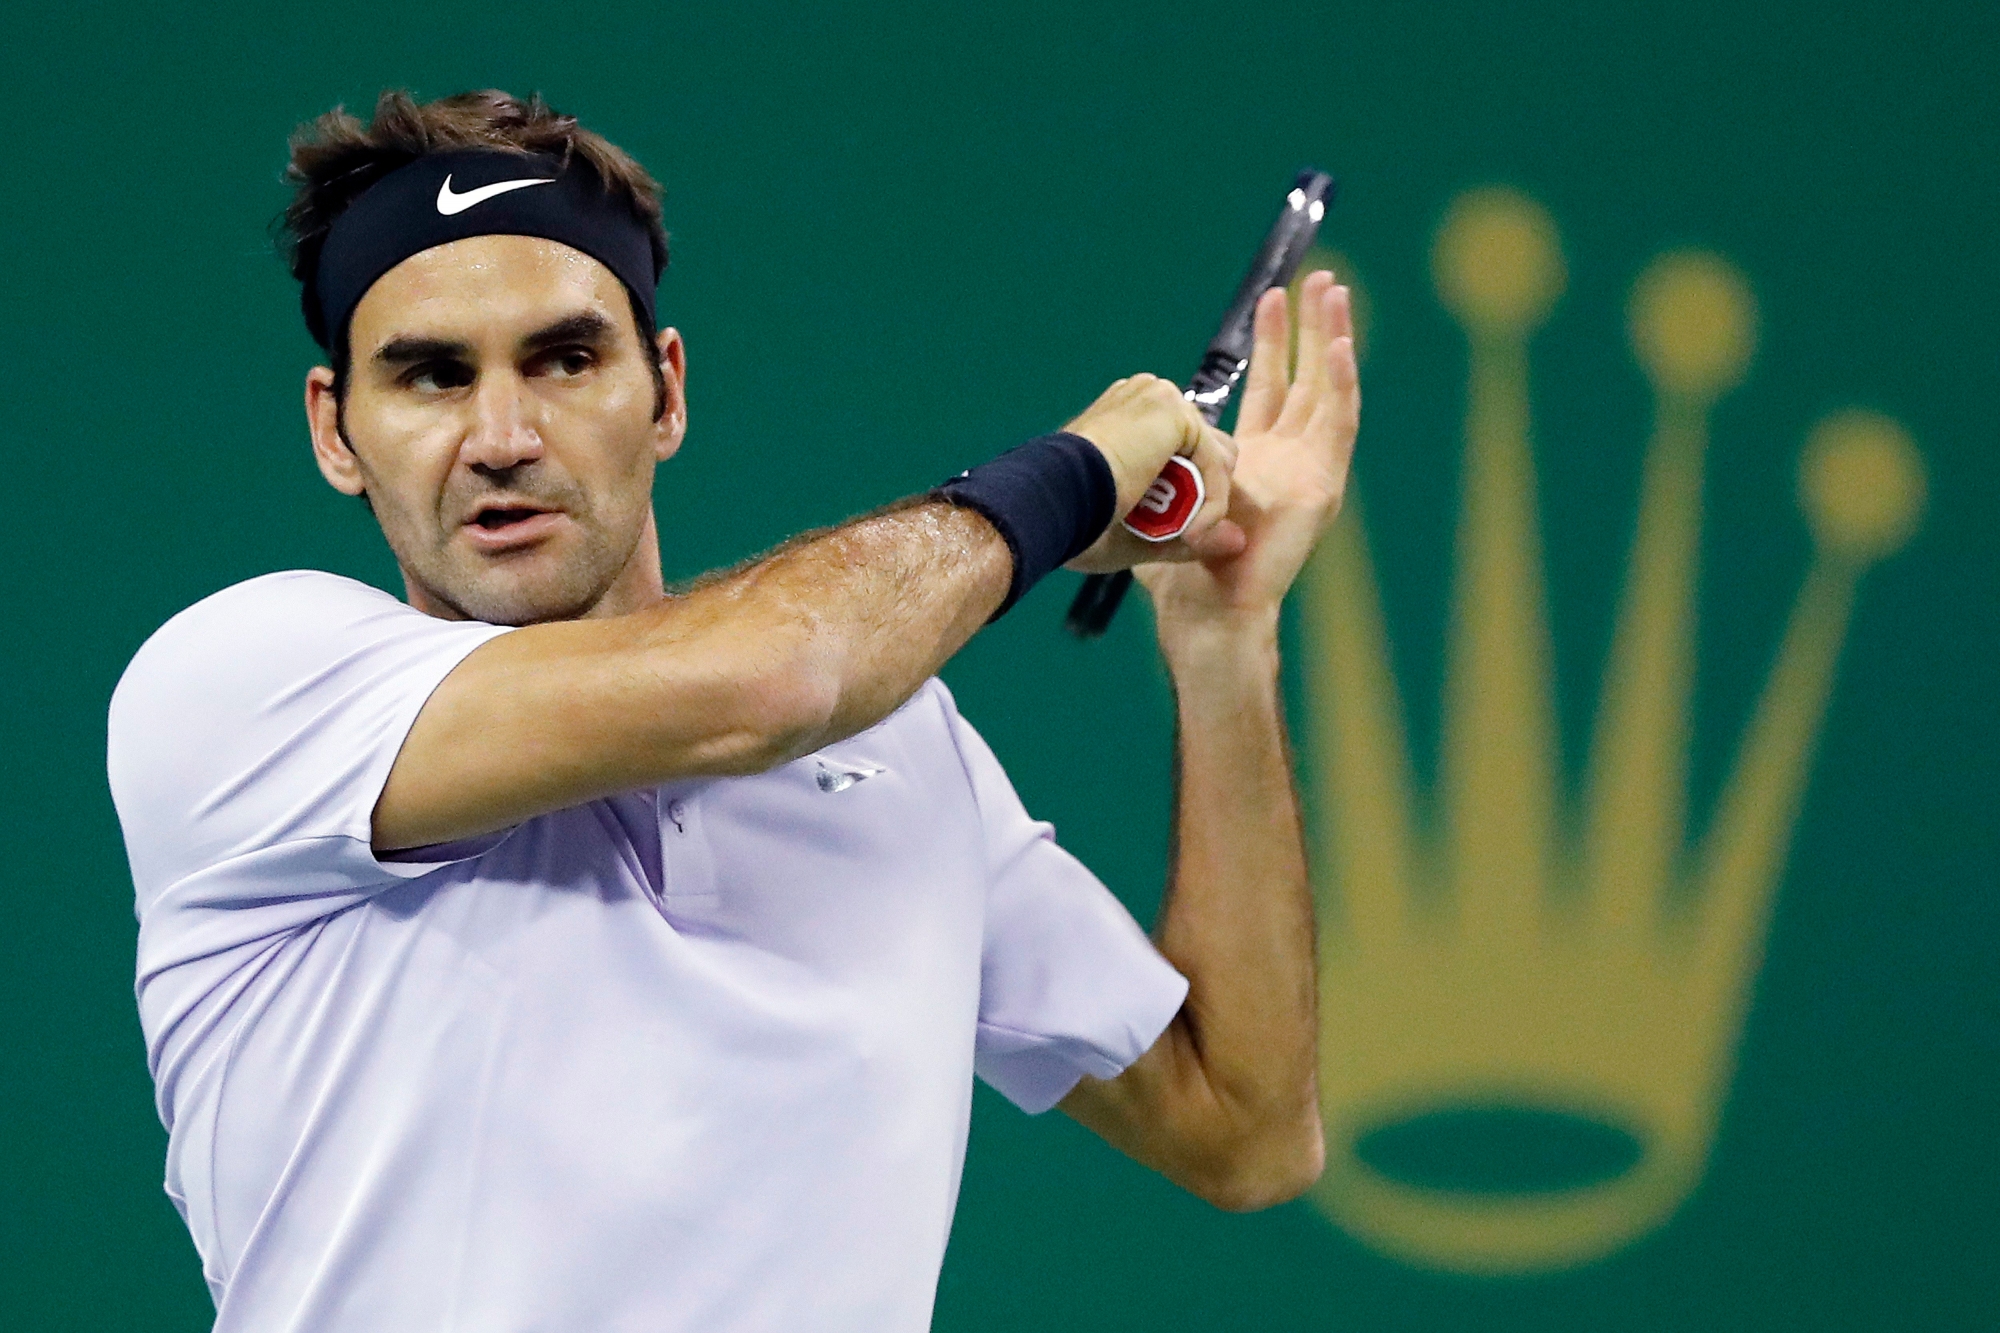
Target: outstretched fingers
{"x": 1311, "y": 383}
{"x": 1338, "y": 414}
{"x": 1265, "y": 382}
{"x": 1342, "y": 310}
{"x": 1337, "y": 419}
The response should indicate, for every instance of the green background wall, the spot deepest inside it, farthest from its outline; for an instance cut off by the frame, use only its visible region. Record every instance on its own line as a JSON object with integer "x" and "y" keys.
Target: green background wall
{"x": 906, "y": 237}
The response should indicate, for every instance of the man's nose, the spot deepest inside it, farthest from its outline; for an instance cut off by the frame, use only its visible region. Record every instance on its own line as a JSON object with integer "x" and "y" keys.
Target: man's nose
{"x": 504, "y": 432}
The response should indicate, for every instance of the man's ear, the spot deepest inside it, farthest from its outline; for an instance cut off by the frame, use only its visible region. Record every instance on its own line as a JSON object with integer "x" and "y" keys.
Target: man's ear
{"x": 671, "y": 428}
{"x": 337, "y": 462}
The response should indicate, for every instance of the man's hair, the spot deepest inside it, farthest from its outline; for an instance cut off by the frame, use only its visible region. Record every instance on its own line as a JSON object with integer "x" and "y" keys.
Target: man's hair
{"x": 334, "y": 158}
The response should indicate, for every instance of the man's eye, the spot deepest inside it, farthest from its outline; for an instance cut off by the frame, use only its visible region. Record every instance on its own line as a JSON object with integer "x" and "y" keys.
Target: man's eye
{"x": 568, "y": 362}
{"x": 439, "y": 376}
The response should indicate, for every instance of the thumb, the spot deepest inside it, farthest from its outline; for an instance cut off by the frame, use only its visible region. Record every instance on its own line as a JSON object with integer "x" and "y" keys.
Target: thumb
{"x": 1224, "y": 541}
{"x": 1215, "y": 458}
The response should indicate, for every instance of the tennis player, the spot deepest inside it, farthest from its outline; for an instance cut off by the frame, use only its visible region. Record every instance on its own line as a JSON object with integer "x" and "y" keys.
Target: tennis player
{"x": 549, "y": 951}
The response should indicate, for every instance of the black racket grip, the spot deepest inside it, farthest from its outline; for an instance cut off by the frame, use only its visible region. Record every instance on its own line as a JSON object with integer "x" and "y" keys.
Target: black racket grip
{"x": 1096, "y": 603}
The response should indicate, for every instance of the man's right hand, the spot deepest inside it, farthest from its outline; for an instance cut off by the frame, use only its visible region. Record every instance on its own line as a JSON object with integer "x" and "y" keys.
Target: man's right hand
{"x": 1138, "y": 424}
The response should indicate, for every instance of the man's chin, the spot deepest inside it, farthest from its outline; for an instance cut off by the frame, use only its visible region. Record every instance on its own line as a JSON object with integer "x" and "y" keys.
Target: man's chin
{"x": 509, "y": 596}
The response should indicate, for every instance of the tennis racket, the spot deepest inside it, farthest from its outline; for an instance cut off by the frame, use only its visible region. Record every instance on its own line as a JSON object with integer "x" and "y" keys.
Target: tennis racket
{"x": 1173, "y": 500}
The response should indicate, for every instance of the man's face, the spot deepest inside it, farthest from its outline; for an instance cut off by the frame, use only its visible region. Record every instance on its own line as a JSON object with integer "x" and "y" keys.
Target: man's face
{"x": 500, "y": 419}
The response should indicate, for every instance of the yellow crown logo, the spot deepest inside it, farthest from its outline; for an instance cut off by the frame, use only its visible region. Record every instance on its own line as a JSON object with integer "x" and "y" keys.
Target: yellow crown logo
{"x": 1530, "y": 1008}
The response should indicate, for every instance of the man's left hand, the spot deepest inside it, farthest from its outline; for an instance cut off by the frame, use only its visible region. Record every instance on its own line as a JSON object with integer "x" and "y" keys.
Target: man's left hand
{"x": 1294, "y": 437}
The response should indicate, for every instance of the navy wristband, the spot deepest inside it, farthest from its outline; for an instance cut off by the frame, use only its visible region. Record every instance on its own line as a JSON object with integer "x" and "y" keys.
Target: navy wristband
{"x": 1049, "y": 498}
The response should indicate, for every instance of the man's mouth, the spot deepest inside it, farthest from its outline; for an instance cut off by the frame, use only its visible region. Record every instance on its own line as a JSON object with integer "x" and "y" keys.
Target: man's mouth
{"x": 495, "y": 519}
{"x": 503, "y": 527}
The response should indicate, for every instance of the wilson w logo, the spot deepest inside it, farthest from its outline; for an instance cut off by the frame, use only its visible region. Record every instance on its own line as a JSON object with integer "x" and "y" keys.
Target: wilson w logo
{"x": 1159, "y": 497}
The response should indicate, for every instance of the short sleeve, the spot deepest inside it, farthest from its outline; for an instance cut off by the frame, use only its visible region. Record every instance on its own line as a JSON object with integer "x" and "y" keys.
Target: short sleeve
{"x": 1069, "y": 983}
{"x": 247, "y": 743}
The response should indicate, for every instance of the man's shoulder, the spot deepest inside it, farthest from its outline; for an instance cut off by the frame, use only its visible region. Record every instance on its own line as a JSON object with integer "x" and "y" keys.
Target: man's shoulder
{"x": 289, "y": 594}
{"x": 268, "y": 705}
{"x": 224, "y": 623}
{"x": 234, "y": 638}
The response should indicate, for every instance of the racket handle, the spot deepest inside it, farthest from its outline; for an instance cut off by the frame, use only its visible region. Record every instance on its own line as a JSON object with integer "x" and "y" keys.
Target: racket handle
{"x": 1161, "y": 515}
{"x": 1096, "y": 603}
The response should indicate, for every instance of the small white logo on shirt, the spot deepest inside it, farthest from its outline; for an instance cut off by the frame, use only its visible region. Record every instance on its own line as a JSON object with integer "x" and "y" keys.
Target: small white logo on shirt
{"x": 449, "y": 203}
{"x": 833, "y": 780}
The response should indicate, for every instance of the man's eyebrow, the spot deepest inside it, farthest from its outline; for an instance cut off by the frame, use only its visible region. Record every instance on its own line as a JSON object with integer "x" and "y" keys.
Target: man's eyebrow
{"x": 409, "y": 349}
{"x": 585, "y": 326}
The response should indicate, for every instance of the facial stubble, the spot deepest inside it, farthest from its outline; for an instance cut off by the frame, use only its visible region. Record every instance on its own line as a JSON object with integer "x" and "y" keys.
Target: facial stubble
{"x": 533, "y": 585}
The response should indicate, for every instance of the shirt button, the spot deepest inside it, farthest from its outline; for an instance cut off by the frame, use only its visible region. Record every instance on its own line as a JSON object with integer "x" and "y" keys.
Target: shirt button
{"x": 677, "y": 813}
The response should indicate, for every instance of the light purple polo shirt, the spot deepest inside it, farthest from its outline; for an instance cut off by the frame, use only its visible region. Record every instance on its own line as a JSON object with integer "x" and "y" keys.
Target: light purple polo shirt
{"x": 697, "y": 1057}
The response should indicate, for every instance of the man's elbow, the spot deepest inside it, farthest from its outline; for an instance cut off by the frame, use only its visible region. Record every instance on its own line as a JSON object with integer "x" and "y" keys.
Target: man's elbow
{"x": 1273, "y": 1164}
{"x": 769, "y": 711}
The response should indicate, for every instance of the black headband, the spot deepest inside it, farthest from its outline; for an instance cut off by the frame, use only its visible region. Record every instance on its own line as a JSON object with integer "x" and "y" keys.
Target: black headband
{"x": 445, "y": 197}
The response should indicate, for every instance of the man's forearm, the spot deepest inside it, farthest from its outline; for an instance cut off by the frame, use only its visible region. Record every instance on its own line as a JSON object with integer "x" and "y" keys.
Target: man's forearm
{"x": 1225, "y": 1102}
{"x": 870, "y": 610}
{"x": 1238, "y": 919}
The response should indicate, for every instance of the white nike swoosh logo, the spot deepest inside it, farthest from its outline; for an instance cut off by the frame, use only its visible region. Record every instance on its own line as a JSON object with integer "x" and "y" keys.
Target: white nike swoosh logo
{"x": 449, "y": 203}
{"x": 832, "y": 780}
